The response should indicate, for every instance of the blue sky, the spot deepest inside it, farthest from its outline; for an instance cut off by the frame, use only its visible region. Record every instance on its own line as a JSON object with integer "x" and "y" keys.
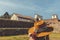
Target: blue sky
{"x": 29, "y": 7}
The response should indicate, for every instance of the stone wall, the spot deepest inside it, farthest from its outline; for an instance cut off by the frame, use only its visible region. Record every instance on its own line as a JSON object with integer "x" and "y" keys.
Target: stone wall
{"x": 19, "y": 24}
{"x": 9, "y": 32}
{"x": 14, "y": 24}
{"x": 7, "y": 25}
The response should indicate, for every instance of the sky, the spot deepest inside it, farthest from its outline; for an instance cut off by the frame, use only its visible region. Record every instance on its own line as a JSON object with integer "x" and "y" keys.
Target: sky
{"x": 45, "y": 8}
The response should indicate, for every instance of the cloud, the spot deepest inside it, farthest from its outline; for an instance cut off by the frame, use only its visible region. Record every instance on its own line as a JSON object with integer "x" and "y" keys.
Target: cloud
{"x": 7, "y": 4}
{"x": 21, "y": 5}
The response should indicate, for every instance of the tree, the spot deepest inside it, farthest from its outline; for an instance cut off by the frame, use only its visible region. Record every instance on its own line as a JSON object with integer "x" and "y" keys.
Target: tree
{"x": 6, "y": 15}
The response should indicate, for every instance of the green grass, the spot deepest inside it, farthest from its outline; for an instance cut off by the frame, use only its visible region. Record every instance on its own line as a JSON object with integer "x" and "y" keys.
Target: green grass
{"x": 18, "y": 37}
{"x": 53, "y": 36}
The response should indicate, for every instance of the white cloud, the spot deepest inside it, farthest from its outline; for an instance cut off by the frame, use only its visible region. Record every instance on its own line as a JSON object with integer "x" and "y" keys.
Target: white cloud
{"x": 7, "y": 4}
{"x": 20, "y": 5}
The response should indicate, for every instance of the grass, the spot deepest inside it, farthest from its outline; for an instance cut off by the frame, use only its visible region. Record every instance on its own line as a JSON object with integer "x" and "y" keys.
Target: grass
{"x": 53, "y": 36}
{"x": 18, "y": 37}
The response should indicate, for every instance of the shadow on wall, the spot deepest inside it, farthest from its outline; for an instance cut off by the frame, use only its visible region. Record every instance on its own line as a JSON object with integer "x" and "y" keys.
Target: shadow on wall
{"x": 15, "y": 24}
{"x": 9, "y": 32}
